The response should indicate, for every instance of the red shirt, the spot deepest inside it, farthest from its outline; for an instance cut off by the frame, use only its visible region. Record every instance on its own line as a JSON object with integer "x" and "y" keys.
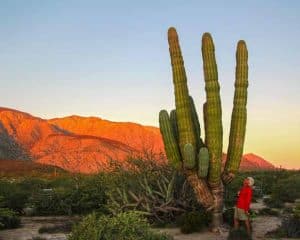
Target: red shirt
{"x": 244, "y": 198}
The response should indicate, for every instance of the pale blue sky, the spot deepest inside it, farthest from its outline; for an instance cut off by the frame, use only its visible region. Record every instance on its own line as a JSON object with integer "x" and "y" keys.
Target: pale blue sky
{"x": 110, "y": 59}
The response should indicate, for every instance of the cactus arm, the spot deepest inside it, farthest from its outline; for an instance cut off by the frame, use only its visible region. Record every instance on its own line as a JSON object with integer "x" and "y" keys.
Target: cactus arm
{"x": 182, "y": 101}
{"x": 171, "y": 146}
{"x": 203, "y": 162}
{"x": 239, "y": 114}
{"x": 189, "y": 156}
{"x": 173, "y": 120}
{"x": 205, "y": 119}
{"x": 196, "y": 125}
{"x": 214, "y": 133}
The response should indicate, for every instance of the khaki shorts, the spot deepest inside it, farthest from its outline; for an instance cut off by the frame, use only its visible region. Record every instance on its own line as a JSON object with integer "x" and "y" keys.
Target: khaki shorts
{"x": 240, "y": 214}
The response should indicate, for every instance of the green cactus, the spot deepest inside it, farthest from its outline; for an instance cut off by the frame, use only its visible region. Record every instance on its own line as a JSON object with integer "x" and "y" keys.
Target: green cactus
{"x": 202, "y": 162}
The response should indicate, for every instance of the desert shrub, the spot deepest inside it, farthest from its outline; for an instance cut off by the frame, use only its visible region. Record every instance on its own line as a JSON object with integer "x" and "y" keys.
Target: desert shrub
{"x": 125, "y": 226}
{"x": 194, "y": 221}
{"x": 14, "y": 196}
{"x": 76, "y": 194}
{"x": 238, "y": 234}
{"x": 290, "y": 228}
{"x": 8, "y": 219}
{"x": 285, "y": 190}
{"x": 296, "y": 210}
{"x": 157, "y": 191}
{"x": 290, "y": 225}
{"x": 81, "y": 197}
{"x": 33, "y": 184}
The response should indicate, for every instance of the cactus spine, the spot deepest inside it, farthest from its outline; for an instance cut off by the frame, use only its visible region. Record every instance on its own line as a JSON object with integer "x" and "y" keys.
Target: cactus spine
{"x": 202, "y": 162}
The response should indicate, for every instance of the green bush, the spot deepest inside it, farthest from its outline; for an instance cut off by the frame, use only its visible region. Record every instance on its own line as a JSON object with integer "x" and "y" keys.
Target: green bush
{"x": 290, "y": 228}
{"x": 75, "y": 196}
{"x": 296, "y": 210}
{"x": 8, "y": 219}
{"x": 125, "y": 226}
{"x": 14, "y": 196}
{"x": 193, "y": 221}
{"x": 290, "y": 225}
{"x": 285, "y": 190}
{"x": 155, "y": 190}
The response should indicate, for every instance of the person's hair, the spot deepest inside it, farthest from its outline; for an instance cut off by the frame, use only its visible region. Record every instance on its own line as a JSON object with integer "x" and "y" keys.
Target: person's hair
{"x": 251, "y": 181}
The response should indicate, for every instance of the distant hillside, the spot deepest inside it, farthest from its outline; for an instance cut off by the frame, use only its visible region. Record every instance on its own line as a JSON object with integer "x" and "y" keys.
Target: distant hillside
{"x": 139, "y": 137}
{"x": 252, "y": 162}
{"x": 84, "y": 144}
{"x": 20, "y": 168}
{"x": 74, "y": 143}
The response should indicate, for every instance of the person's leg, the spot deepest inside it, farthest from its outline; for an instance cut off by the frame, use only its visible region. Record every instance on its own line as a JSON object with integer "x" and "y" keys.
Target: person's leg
{"x": 248, "y": 227}
{"x": 236, "y": 223}
{"x": 236, "y": 219}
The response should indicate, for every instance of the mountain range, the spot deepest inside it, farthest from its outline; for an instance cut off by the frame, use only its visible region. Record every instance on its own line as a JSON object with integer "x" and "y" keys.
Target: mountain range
{"x": 85, "y": 144}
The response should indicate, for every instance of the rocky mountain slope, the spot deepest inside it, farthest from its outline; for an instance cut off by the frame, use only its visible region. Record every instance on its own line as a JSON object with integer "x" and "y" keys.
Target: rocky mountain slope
{"x": 84, "y": 144}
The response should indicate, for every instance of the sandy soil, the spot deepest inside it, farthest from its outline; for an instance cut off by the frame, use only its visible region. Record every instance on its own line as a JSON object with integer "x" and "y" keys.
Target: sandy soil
{"x": 30, "y": 227}
{"x": 261, "y": 225}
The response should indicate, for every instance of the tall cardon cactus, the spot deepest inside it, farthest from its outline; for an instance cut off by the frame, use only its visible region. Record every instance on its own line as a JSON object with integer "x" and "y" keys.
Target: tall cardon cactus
{"x": 201, "y": 161}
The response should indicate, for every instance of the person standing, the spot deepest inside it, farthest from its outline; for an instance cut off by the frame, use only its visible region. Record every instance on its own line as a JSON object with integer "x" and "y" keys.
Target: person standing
{"x": 241, "y": 212}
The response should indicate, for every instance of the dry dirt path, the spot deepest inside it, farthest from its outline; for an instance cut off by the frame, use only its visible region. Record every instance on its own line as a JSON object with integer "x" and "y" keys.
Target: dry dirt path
{"x": 30, "y": 227}
{"x": 261, "y": 225}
